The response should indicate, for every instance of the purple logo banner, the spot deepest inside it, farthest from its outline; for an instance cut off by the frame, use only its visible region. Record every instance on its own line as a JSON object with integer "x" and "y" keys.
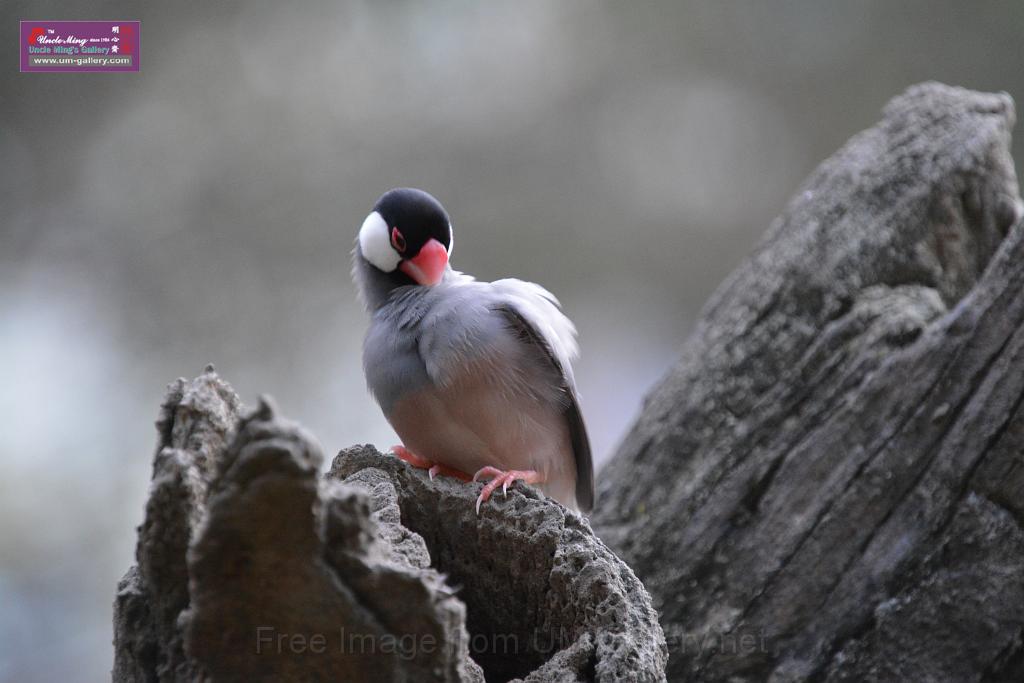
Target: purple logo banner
{"x": 80, "y": 45}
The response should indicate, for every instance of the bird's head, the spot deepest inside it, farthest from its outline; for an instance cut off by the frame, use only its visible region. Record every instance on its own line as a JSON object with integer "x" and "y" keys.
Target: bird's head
{"x": 407, "y": 232}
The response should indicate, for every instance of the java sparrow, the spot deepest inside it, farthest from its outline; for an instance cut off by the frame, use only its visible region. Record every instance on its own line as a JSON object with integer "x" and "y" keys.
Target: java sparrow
{"x": 475, "y": 377}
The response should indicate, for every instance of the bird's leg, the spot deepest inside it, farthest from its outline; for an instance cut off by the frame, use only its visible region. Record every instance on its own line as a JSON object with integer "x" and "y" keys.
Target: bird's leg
{"x": 502, "y": 479}
{"x": 433, "y": 468}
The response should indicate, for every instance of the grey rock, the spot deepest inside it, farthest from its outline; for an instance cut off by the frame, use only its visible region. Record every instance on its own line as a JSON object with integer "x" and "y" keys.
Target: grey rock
{"x": 251, "y": 566}
{"x": 546, "y": 600}
{"x": 833, "y": 468}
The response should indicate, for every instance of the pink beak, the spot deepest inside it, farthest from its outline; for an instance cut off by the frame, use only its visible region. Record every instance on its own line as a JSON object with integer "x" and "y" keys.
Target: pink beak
{"x": 427, "y": 267}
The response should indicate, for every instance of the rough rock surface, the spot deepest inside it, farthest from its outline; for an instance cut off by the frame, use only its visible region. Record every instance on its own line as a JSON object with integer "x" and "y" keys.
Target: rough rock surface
{"x": 253, "y": 567}
{"x": 828, "y": 486}
{"x": 546, "y": 598}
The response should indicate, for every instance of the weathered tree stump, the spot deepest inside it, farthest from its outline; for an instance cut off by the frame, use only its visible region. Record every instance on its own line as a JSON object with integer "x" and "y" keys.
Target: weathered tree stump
{"x": 828, "y": 486}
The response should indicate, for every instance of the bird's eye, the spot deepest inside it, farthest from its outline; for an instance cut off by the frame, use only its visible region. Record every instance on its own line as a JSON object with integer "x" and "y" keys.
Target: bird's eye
{"x": 397, "y": 240}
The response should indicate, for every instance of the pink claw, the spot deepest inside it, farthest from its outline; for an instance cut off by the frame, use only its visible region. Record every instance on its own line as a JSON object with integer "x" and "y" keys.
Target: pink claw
{"x": 487, "y": 472}
{"x": 433, "y": 468}
{"x": 405, "y": 455}
{"x": 502, "y": 479}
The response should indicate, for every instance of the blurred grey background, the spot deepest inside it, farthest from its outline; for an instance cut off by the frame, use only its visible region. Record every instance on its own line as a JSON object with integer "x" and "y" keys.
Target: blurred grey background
{"x": 625, "y": 155}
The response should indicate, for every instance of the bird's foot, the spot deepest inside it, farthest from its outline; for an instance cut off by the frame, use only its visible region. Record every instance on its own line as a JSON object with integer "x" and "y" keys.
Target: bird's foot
{"x": 502, "y": 478}
{"x": 433, "y": 468}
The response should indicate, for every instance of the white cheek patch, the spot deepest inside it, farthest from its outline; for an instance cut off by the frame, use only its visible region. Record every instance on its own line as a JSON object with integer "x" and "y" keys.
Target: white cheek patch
{"x": 451, "y": 241}
{"x": 375, "y": 243}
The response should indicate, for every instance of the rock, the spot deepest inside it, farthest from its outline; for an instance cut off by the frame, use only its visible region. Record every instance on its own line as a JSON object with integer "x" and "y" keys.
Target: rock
{"x": 253, "y": 567}
{"x": 546, "y": 599}
{"x": 832, "y": 469}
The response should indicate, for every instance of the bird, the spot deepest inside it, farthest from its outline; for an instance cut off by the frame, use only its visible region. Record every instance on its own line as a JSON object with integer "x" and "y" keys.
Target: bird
{"x": 475, "y": 377}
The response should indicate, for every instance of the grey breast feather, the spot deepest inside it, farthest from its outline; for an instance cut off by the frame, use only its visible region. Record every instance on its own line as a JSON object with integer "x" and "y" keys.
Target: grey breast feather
{"x": 427, "y": 334}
